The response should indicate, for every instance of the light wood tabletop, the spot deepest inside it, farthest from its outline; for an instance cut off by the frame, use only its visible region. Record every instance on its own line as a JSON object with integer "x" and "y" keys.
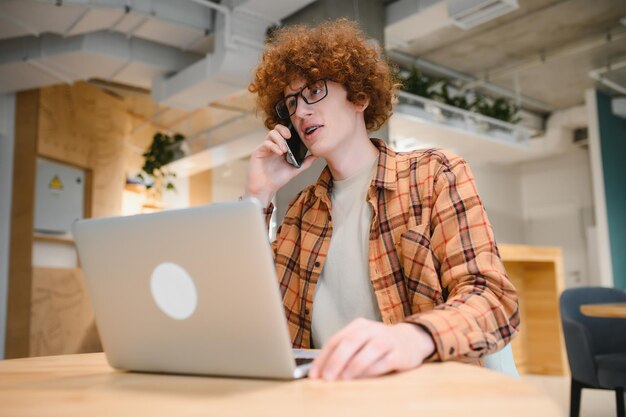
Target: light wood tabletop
{"x": 85, "y": 385}
{"x": 609, "y": 310}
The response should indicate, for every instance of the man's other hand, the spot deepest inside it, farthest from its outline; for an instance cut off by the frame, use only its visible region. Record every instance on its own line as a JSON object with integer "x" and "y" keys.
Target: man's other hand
{"x": 368, "y": 348}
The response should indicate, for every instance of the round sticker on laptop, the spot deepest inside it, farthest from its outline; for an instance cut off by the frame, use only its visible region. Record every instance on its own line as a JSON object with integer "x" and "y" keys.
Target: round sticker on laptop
{"x": 173, "y": 291}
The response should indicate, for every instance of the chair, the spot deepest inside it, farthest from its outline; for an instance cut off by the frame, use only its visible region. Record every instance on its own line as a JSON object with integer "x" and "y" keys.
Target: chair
{"x": 596, "y": 347}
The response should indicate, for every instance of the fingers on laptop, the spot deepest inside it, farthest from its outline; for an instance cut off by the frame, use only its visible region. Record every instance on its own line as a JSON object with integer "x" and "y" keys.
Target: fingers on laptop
{"x": 361, "y": 349}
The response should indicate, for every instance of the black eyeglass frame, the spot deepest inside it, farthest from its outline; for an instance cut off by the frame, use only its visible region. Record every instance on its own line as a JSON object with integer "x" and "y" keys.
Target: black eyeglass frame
{"x": 283, "y": 102}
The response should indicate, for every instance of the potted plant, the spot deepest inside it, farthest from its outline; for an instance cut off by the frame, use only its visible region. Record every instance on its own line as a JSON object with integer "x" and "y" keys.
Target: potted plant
{"x": 163, "y": 150}
{"x": 437, "y": 89}
{"x": 420, "y": 84}
{"x": 499, "y": 108}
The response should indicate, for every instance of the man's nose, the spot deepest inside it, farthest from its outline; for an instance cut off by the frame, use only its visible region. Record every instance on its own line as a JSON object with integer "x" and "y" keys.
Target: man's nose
{"x": 303, "y": 108}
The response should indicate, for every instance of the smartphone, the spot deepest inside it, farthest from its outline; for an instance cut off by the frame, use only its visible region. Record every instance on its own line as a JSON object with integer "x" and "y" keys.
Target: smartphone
{"x": 297, "y": 151}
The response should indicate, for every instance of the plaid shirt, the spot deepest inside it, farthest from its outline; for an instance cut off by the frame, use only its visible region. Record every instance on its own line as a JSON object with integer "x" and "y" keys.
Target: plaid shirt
{"x": 433, "y": 260}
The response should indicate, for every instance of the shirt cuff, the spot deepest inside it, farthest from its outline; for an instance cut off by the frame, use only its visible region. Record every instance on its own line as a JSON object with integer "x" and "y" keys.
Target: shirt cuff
{"x": 450, "y": 343}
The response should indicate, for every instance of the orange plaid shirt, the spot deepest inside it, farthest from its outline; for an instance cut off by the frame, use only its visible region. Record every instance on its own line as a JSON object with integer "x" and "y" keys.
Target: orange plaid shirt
{"x": 433, "y": 260}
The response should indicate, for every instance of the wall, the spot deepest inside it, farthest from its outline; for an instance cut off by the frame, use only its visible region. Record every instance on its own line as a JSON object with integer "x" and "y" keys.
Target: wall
{"x": 612, "y": 131}
{"x": 501, "y": 192}
{"x": 7, "y": 138}
{"x": 557, "y": 203}
{"x": 229, "y": 180}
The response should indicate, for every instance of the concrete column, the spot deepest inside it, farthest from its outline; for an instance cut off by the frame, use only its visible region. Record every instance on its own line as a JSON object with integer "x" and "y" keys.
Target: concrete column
{"x": 7, "y": 141}
{"x": 371, "y": 16}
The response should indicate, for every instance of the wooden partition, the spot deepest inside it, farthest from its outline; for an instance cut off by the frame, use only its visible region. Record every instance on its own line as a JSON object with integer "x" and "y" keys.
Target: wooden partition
{"x": 62, "y": 317}
{"x": 87, "y": 127}
{"x": 537, "y": 273}
{"x": 82, "y": 126}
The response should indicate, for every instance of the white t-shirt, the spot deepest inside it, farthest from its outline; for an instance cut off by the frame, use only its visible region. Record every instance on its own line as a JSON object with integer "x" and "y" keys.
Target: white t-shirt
{"x": 344, "y": 291}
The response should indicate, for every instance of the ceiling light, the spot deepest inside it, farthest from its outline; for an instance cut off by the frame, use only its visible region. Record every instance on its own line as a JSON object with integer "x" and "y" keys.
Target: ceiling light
{"x": 467, "y": 14}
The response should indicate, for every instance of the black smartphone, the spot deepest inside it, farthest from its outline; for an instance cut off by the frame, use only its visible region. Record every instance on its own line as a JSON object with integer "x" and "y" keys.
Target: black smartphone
{"x": 297, "y": 150}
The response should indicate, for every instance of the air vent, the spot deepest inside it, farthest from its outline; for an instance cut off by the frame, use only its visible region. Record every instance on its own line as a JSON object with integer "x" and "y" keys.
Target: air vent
{"x": 581, "y": 136}
{"x": 467, "y": 14}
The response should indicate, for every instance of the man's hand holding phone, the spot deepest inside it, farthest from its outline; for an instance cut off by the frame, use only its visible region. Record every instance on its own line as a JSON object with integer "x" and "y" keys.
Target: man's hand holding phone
{"x": 269, "y": 170}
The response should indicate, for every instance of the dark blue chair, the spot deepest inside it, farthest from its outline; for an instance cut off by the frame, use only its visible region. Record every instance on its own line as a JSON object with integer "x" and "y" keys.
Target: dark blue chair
{"x": 596, "y": 347}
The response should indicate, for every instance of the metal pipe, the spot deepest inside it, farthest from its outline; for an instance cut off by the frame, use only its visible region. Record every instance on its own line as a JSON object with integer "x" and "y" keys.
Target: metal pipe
{"x": 19, "y": 23}
{"x": 227, "y": 18}
{"x": 598, "y": 75}
{"x": 76, "y": 22}
{"x": 55, "y": 74}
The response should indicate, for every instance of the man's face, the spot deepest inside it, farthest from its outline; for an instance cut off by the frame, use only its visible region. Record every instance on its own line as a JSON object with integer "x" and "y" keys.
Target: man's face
{"x": 324, "y": 126}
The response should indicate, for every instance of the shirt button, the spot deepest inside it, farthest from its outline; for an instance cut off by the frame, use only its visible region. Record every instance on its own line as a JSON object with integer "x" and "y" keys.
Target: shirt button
{"x": 317, "y": 264}
{"x": 306, "y": 311}
{"x": 451, "y": 351}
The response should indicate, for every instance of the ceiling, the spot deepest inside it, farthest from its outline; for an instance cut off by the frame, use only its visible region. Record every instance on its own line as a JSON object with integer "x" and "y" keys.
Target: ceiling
{"x": 543, "y": 53}
{"x": 545, "y": 49}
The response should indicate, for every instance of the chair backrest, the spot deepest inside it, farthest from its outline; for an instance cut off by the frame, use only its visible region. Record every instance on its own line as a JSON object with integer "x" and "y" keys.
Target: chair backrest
{"x": 586, "y": 336}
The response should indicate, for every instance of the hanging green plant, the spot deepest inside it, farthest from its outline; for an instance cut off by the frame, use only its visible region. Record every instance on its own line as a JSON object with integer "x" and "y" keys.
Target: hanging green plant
{"x": 163, "y": 150}
{"x": 499, "y": 108}
{"x": 438, "y": 89}
{"x": 460, "y": 100}
{"x": 419, "y": 84}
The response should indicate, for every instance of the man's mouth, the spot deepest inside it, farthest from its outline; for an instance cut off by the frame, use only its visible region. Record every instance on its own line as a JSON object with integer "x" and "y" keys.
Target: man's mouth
{"x": 309, "y": 130}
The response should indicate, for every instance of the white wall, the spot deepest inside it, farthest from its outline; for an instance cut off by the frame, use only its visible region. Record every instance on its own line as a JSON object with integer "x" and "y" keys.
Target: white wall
{"x": 500, "y": 189}
{"x": 558, "y": 210}
{"x": 229, "y": 180}
{"x": 7, "y": 141}
{"x": 179, "y": 197}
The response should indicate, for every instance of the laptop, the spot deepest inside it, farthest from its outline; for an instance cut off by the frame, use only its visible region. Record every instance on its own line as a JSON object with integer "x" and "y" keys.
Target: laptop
{"x": 191, "y": 291}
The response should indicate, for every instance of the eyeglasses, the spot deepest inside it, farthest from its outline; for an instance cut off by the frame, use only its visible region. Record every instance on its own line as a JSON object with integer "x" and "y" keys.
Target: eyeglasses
{"x": 311, "y": 94}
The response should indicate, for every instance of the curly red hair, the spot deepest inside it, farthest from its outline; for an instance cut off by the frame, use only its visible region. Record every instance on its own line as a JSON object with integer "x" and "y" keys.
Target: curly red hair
{"x": 336, "y": 50}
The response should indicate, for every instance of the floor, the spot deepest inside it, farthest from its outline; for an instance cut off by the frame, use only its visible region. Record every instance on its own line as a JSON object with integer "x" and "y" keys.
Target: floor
{"x": 594, "y": 403}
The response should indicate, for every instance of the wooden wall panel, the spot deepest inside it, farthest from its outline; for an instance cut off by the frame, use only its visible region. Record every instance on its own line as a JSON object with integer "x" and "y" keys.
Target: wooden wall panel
{"x": 22, "y": 219}
{"x": 64, "y": 131}
{"x": 201, "y": 188}
{"x": 62, "y": 316}
{"x": 83, "y": 126}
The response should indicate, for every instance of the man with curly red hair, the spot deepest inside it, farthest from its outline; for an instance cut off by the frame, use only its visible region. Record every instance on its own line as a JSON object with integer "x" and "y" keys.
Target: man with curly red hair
{"x": 389, "y": 259}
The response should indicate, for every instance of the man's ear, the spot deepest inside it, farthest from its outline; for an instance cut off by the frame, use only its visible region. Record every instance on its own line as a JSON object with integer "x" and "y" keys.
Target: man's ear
{"x": 363, "y": 104}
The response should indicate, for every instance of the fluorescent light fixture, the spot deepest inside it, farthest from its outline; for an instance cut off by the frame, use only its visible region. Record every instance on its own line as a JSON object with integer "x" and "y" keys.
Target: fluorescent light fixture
{"x": 467, "y": 14}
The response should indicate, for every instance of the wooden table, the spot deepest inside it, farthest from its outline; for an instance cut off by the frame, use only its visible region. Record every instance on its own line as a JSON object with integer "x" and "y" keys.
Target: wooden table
{"x": 609, "y": 310}
{"x": 84, "y": 385}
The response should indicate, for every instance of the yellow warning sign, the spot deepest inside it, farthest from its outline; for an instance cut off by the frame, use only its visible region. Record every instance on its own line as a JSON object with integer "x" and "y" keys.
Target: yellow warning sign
{"x": 56, "y": 183}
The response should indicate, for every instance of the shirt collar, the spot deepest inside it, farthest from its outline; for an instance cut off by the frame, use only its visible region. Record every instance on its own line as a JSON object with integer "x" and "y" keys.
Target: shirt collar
{"x": 386, "y": 174}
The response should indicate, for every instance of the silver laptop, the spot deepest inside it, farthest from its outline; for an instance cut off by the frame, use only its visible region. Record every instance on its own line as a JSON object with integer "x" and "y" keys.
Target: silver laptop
{"x": 190, "y": 291}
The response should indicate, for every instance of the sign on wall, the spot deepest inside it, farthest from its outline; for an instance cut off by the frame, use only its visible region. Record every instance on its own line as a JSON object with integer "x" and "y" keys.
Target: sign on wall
{"x": 59, "y": 196}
